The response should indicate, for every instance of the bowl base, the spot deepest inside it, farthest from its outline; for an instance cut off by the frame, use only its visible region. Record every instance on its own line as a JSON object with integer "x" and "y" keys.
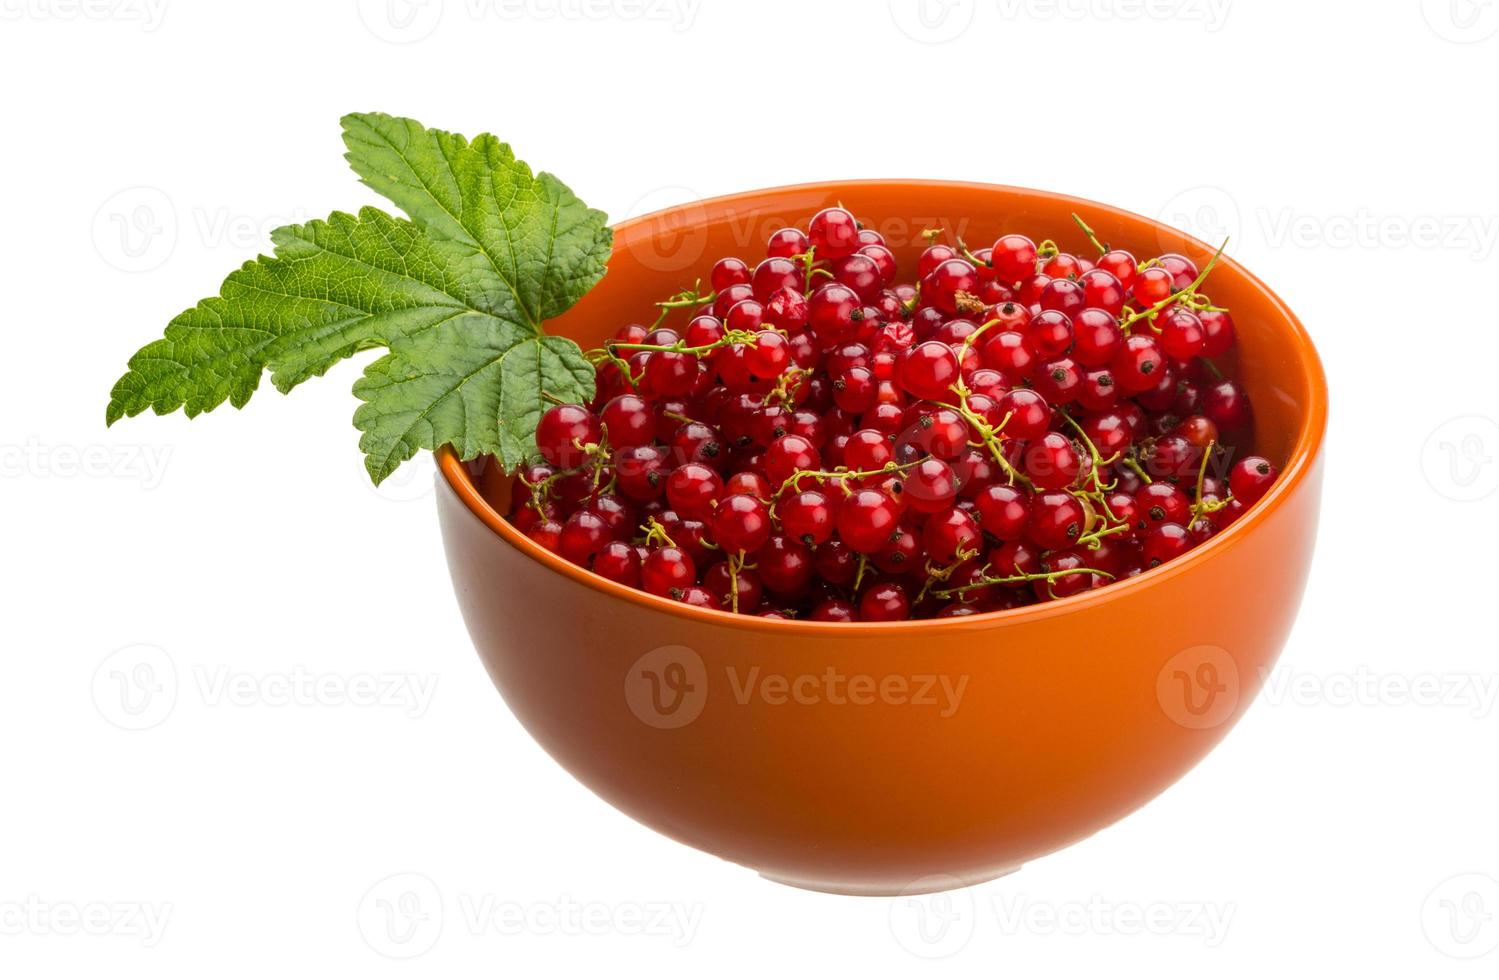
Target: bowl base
{"x": 922, "y": 886}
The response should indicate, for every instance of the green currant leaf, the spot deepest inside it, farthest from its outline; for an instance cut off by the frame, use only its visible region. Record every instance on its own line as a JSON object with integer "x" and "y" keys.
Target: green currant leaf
{"x": 457, "y": 296}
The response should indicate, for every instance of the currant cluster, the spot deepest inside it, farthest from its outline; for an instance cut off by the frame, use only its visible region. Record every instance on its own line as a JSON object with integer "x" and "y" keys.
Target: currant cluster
{"x": 823, "y": 441}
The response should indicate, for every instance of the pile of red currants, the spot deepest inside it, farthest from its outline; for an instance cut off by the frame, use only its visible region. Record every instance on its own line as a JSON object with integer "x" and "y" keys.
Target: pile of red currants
{"x": 821, "y": 441}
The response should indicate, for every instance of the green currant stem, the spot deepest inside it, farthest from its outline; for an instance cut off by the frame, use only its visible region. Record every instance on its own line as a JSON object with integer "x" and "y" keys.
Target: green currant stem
{"x": 841, "y": 474}
{"x": 1191, "y": 288}
{"x": 736, "y": 562}
{"x": 680, "y": 347}
{"x": 988, "y": 435}
{"x": 986, "y": 581}
{"x": 808, "y": 258}
{"x": 1130, "y": 462}
{"x": 1091, "y": 539}
{"x": 686, "y": 298}
{"x": 1102, "y": 248}
{"x": 974, "y": 259}
{"x": 655, "y": 532}
{"x": 940, "y": 574}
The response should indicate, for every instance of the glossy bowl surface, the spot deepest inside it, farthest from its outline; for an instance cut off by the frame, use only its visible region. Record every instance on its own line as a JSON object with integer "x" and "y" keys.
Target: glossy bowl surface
{"x": 879, "y": 758}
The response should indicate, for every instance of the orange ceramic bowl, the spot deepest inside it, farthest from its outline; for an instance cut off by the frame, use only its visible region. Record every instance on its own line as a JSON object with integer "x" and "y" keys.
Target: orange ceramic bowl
{"x": 876, "y": 758}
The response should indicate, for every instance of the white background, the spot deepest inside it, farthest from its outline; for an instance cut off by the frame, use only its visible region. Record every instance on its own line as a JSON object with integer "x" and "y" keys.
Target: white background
{"x": 239, "y": 581}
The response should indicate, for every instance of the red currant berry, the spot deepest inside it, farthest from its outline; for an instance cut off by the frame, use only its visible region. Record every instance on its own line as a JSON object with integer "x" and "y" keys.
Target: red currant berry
{"x": 948, "y": 533}
{"x": 1138, "y": 365}
{"x": 1013, "y": 258}
{"x": 786, "y": 243}
{"x": 866, "y": 520}
{"x": 666, "y": 571}
{"x": 629, "y": 421}
{"x": 834, "y": 233}
{"x": 1028, "y": 414}
{"x": 788, "y": 454}
{"x": 1052, "y": 462}
{"x": 1057, "y": 520}
{"x": 929, "y": 370}
{"x": 619, "y": 562}
{"x": 728, "y": 272}
{"x": 1250, "y": 478}
{"x": 884, "y": 602}
{"x": 693, "y": 489}
{"x": 1163, "y": 543}
{"x": 562, "y": 433}
{"x": 930, "y": 486}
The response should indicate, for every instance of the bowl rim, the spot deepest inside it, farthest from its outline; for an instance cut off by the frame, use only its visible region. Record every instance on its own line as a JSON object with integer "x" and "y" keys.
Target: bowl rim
{"x": 1298, "y": 465}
